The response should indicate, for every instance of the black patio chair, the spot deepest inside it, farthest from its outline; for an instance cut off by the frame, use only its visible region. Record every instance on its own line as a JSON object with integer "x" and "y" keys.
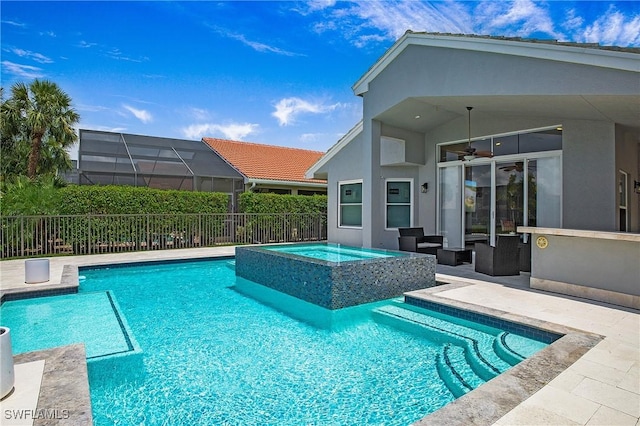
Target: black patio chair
{"x": 503, "y": 259}
{"x": 413, "y": 239}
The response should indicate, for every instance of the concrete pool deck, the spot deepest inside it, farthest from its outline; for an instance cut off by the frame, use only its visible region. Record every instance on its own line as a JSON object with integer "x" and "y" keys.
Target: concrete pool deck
{"x": 601, "y": 388}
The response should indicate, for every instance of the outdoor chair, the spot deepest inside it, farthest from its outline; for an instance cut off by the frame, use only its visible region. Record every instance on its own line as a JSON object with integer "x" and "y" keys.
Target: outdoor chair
{"x": 503, "y": 259}
{"x": 413, "y": 239}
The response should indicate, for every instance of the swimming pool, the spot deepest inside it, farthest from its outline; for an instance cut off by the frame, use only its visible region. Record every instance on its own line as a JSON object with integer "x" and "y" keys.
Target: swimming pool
{"x": 335, "y": 276}
{"x": 332, "y": 252}
{"x": 211, "y": 355}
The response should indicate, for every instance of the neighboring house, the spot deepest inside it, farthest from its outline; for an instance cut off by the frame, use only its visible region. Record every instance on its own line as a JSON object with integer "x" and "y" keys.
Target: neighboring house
{"x": 109, "y": 158}
{"x": 212, "y": 165}
{"x": 553, "y": 140}
{"x": 268, "y": 168}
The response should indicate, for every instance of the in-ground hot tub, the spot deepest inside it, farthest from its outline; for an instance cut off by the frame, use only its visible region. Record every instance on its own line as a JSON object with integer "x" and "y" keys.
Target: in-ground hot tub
{"x": 335, "y": 276}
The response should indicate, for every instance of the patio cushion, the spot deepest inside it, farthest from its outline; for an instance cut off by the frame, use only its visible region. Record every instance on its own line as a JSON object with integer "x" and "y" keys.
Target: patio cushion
{"x": 427, "y": 245}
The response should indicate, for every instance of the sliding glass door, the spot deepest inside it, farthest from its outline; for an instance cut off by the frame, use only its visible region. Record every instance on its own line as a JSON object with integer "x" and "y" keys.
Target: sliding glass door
{"x": 510, "y": 196}
{"x": 450, "y": 201}
{"x": 477, "y": 203}
{"x": 483, "y": 198}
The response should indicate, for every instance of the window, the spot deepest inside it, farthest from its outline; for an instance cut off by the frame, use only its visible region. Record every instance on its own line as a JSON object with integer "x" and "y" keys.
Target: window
{"x": 508, "y": 144}
{"x": 398, "y": 203}
{"x": 622, "y": 197}
{"x": 350, "y": 204}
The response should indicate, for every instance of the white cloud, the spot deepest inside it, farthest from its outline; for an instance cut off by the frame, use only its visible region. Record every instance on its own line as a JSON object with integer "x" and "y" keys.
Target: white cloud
{"x": 14, "y": 23}
{"x": 115, "y": 53}
{"x": 520, "y": 17}
{"x": 613, "y": 28}
{"x": 572, "y": 20}
{"x": 235, "y": 131}
{"x": 255, "y": 45}
{"x": 366, "y": 22}
{"x": 141, "y": 114}
{"x": 85, "y": 44}
{"x": 38, "y": 57}
{"x": 288, "y": 109}
{"x": 25, "y": 71}
{"x": 198, "y": 114}
{"x": 311, "y": 6}
{"x": 91, "y": 108}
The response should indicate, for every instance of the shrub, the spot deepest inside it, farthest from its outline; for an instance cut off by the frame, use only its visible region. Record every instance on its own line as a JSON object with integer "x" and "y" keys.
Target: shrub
{"x": 132, "y": 200}
{"x": 251, "y": 202}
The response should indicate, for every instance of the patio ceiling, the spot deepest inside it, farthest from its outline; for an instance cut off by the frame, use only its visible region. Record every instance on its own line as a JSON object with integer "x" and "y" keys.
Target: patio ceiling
{"x": 435, "y": 111}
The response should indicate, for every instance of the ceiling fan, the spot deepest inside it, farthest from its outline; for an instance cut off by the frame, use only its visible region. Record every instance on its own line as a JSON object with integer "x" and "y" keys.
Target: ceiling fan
{"x": 518, "y": 166}
{"x": 470, "y": 152}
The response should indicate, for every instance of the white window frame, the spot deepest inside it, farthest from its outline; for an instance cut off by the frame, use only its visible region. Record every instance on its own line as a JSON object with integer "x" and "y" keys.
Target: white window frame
{"x": 410, "y": 204}
{"x": 347, "y": 182}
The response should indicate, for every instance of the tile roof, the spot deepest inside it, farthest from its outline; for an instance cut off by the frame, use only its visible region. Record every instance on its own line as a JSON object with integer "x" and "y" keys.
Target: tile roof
{"x": 269, "y": 162}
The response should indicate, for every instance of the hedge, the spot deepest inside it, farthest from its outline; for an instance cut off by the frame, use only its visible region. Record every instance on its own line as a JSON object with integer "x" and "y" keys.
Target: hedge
{"x": 251, "y": 202}
{"x": 112, "y": 199}
{"x": 133, "y": 200}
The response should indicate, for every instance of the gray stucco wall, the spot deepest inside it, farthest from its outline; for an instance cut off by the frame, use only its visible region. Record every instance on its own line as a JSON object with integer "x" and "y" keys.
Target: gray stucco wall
{"x": 589, "y": 176}
{"x": 628, "y": 140}
{"x": 431, "y": 71}
{"x": 610, "y": 265}
{"x": 347, "y": 164}
{"x": 415, "y": 150}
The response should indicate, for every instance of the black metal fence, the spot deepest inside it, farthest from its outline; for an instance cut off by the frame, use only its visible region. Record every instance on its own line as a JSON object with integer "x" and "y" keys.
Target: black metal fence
{"x": 31, "y": 236}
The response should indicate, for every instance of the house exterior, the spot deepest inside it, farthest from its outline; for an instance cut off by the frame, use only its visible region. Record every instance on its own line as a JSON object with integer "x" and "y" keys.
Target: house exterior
{"x": 270, "y": 168}
{"x": 470, "y": 137}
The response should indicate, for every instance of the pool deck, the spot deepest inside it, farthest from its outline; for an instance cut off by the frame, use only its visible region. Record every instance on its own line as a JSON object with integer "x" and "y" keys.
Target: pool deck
{"x": 602, "y": 387}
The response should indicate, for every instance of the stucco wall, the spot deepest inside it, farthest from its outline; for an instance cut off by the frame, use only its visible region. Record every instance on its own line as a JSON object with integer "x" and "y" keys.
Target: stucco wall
{"x": 415, "y": 150}
{"x": 430, "y": 71}
{"x": 628, "y": 141}
{"x": 589, "y": 176}
{"x": 588, "y": 266}
{"x": 347, "y": 164}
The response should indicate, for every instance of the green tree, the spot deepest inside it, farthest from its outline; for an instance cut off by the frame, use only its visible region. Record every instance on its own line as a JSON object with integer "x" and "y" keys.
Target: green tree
{"x": 37, "y": 118}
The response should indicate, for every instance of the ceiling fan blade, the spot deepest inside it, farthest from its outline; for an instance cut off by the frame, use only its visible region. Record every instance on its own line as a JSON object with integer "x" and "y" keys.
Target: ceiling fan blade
{"x": 486, "y": 154}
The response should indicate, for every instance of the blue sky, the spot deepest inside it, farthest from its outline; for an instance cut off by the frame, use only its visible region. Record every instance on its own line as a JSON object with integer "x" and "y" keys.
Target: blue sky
{"x": 270, "y": 72}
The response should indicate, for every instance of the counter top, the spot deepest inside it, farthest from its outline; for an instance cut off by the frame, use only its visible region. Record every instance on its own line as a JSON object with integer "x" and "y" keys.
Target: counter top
{"x": 602, "y": 235}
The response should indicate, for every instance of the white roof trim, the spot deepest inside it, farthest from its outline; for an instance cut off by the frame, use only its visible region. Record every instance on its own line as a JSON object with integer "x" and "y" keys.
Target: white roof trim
{"x": 289, "y": 183}
{"x": 344, "y": 141}
{"x": 624, "y": 61}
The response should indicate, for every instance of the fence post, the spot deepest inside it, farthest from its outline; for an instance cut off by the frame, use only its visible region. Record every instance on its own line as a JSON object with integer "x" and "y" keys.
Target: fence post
{"x": 89, "y": 233}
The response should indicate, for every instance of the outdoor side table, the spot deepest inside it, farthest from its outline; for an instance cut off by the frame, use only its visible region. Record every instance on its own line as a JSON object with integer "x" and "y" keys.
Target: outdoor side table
{"x": 36, "y": 271}
{"x": 454, "y": 256}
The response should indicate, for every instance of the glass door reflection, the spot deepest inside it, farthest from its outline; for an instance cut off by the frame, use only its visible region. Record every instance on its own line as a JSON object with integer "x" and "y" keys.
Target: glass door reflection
{"x": 477, "y": 203}
{"x": 509, "y": 196}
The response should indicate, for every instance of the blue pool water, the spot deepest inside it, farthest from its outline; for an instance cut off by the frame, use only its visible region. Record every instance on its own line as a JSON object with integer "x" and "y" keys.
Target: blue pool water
{"x": 205, "y": 353}
{"x": 332, "y": 252}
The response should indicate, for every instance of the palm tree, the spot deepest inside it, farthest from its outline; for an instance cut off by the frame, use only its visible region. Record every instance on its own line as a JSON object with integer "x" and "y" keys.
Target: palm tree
{"x": 40, "y": 114}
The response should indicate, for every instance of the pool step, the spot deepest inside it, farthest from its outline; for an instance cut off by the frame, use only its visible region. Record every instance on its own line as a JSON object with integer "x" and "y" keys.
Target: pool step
{"x": 454, "y": 370}
{"x": 231, "y": 264}
{"x": 485, "y": 345}
{"x": 480, "y": 346}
